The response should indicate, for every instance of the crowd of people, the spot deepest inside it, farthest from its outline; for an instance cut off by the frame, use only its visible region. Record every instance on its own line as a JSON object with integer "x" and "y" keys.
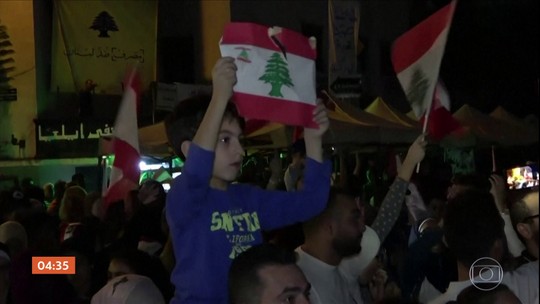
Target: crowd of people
{"x": 308, "y": 237}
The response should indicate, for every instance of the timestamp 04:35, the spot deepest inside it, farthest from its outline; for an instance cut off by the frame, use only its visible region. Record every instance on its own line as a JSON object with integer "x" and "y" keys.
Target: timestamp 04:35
{"x": 53, "y": 265}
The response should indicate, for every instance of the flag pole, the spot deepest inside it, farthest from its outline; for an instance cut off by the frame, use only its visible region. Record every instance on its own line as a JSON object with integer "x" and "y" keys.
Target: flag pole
{"x": 424, "y": 127}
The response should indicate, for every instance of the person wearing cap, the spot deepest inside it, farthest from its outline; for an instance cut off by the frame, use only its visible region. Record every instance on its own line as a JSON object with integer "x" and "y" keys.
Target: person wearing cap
{"x": 129, "y": 289}
{"x": 337, "y": 233}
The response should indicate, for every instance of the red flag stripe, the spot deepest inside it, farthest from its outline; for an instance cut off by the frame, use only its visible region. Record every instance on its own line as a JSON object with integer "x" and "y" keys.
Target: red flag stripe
{"x": 127, "y": 159}
{"x": 240, "y": 32}
{"x": 261, "y": 107}
{"x": 125, "y": 174}
{"x": 409, "y": 47}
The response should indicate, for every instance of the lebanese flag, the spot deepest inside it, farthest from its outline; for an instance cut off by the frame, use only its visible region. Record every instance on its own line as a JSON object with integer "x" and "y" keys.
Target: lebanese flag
{"x": 125, "y": 170}
{"x": 440, "y": 120}
{"x": 417, "y": 56}
{"x": 275, "y": 73}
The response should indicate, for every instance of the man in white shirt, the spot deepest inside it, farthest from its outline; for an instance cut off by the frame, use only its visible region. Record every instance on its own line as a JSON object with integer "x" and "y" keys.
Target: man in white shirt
{"x": 337, "y": 232}
{"x": 474, "y": 231}
{"x": 334, "y": 234}
{"x": 524, "y": 215}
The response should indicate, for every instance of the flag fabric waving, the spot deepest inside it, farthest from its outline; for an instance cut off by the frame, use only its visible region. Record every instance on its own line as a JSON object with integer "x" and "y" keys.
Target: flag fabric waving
{"x": 440, "y": 120}
{"x": 417, "y": 56}
{"x": 125, "y": 171}
{"x": 275, "y": 75}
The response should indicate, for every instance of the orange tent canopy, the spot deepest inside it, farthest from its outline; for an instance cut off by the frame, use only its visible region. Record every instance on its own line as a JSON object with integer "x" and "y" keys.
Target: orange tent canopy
{"x": 381, "y": 109}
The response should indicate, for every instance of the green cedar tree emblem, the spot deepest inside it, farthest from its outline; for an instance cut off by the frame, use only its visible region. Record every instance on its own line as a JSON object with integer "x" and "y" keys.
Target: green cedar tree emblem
{"x": 276, "y": 73}
{"x": 417, "y": 90}
{"x": 244, "y": 55}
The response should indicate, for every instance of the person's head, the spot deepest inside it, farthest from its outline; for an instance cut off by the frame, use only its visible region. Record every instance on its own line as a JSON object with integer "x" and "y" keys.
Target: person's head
{"x": 151, "y": 192}
{"x": 129, "y": 289}
{"x": 48, "y": 191}
{"x": 119, "y": 266}
{"x": 89, "y": 85}
{"x": 499, "y": 295}
{"x": 524, "y": 216}
{"x": 27, "y": 182}
{"x": 126, "y": 261}
{"x": 182, "y": 124}
{"x": 82, "y": 248}
{"x": 14, "y": 235}
{"x": 462, "y": 182}
{"x": 473, "y": 227}
{"x": 79, "y": 179}
{"x": 341, "y": 224}
{"x": 266, "y": 274}
{"x": 298, "y": 151}
{"x": 72, "y": 205}
{"x": 59, "y": 189}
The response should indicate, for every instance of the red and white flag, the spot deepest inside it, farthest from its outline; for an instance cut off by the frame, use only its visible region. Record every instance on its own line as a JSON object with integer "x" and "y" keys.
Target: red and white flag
{"x": 417, "y": 56}
{"x": 440, "y": 120}
{"x": 125, "y": 170}
{"x": 275, "y": 75}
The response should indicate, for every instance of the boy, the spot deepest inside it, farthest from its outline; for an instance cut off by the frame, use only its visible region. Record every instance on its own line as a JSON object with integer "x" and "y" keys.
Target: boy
{"x": 211, "y": 220}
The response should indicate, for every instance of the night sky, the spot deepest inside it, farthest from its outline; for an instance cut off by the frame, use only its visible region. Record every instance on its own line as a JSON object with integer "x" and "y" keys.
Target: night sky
{"x": 491, "y": 56}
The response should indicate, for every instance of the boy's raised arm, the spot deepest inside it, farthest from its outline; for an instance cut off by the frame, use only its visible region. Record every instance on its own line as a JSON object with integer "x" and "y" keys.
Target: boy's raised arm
{"x": 313, "y": 137}
{"x": 223, "y": 80}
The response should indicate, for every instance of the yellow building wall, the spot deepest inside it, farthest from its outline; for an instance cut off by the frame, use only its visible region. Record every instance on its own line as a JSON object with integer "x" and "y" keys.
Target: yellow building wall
{"x": 214, "y": 15}
{"x": 16, "y": 117}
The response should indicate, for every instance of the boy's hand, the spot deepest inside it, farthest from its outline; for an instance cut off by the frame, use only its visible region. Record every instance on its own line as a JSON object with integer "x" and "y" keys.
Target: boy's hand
{"x": 313, "y": 137}
{"x": 320, "y": 117}
{"x": 223, "y": 78}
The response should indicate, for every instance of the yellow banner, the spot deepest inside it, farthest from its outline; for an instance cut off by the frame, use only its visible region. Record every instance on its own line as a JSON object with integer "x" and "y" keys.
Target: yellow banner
{"x": 17, "y": 80}
{"x": 99, "y": 39}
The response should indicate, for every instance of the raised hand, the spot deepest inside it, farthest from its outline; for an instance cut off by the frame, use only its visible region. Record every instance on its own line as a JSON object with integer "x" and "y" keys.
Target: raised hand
{"x": 320, "y": 117}
{"x": 498, "y": 190}
{"x": 415, "y": 154}
{"x": 313, "y": 136}
{"x": 223, "y": 78}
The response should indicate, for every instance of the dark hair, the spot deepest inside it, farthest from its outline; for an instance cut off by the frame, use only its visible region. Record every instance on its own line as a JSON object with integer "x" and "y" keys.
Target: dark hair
{"x": 299, "y": 146}
{"x": 474, "y": 295}
{"x": 519, "y": 211}
{"x": 331, "y": 208}
{"x": 183, "y": 122}
{"x": 472, "y": 180}
{"x": 59, "y": 190}
{"x": 244, "y": 281}
{"x": 151, "y": 187}
{"x": 79, "y": 179}
{"x": 472, "y": 224}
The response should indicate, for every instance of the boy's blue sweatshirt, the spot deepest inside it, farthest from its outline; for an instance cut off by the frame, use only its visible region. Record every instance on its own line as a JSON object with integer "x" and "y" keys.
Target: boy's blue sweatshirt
{"x": 210, "y": 227}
